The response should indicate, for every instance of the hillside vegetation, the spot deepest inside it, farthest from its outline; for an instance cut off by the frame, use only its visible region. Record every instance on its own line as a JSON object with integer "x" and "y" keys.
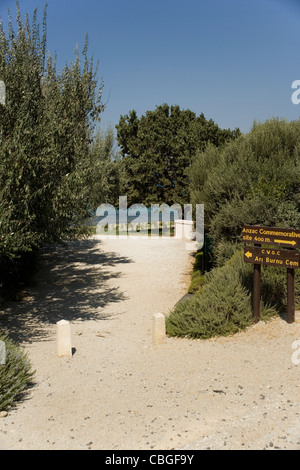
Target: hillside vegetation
{"x": 254, "y": 179}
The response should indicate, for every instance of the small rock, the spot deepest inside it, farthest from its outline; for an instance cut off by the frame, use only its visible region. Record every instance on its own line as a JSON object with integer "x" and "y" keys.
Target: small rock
{"x": 3, "y": 414}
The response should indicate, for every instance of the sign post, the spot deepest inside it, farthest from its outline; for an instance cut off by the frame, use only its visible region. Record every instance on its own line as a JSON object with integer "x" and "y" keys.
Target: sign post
{"x": 256, "y": 292}
{"x": 272, "y": 255}
{"x": 290, "y": 295}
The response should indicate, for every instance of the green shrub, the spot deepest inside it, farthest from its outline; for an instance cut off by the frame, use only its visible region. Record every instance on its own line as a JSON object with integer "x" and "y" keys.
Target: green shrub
{"x": 254, "y": 179}
{"x": 223, "y": 251}
{"x": 197, "y": 277}
{"x": 197, "y": 281}
{"x": 47, "y": 166}
{"x": 273, "y": 279}
{"x": 15, "y": 375}
{"x": 224, "y": 304}
{"x": 274, "y": 287}
{"x": 221, "y": 307}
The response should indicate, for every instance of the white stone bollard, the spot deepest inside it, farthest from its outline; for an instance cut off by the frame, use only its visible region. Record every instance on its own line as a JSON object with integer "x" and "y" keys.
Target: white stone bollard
{"x": 158, "y": 329}
{"x": 178, "y": 229}
{"x": 64, "y": 347}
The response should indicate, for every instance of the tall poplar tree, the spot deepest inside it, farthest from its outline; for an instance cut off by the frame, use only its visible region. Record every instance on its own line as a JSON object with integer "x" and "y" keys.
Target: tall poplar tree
{"x": 46, "y": 128}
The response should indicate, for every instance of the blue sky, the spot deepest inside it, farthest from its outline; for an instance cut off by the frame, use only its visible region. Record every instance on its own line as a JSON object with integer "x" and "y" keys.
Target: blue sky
{"x": 233, "y": 60}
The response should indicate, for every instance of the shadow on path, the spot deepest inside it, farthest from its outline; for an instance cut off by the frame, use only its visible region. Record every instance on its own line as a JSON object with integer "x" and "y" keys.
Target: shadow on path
{"x": 71, "y": 283}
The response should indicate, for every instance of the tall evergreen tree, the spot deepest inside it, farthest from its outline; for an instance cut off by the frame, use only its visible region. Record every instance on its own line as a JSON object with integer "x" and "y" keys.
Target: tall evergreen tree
{"x": 158, "y": 148}
{"x": 107, "y": 175}
{"x": 46, "y": 128}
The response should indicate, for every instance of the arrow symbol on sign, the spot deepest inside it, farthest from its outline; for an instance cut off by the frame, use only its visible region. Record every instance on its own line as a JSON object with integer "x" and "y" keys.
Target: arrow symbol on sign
{"x": 248, "y": 254}
{"x": 286, "y": 241}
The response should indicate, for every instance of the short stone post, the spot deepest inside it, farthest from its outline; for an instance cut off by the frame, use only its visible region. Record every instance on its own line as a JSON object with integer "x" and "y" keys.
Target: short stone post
{"x": 158, "y": 329}
{"x": 64, "y": 347}
{"x": 178, "y": 229}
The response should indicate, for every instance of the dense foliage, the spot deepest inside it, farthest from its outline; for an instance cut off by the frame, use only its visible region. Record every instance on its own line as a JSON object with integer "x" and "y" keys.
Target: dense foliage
{"x": 45, "y": 133}
{"x": 15, "y": 375}
{"x": 223, "y": 305}
{"x": 54, "y": 169}
{"x": 254, "y": 179}
{"x": 157, "y": 149}
{"x": 46, "y": 128}
{"x": 108, "y": 178}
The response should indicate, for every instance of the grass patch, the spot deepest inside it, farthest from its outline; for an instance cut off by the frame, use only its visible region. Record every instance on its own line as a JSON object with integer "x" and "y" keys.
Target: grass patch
{"x": 15, "y": 375}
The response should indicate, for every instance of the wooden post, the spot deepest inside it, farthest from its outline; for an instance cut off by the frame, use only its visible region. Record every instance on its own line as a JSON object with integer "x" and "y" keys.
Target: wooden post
{"x": 290, "y": 295}
{"x": 256, "y": 292}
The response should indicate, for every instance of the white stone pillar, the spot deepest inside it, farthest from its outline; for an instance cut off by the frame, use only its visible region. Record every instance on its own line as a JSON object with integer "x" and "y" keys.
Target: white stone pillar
{"x": 178, "y": 229}
{"x": 64, "y": 347}
{"x": 158, "y": 329}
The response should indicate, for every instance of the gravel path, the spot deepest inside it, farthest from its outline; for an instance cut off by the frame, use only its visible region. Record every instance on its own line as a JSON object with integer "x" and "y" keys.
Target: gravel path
{"x": 118, "y": 391}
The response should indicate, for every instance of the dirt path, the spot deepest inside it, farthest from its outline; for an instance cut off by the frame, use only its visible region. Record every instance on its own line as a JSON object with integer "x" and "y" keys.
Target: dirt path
{"x": 118, "y": 391}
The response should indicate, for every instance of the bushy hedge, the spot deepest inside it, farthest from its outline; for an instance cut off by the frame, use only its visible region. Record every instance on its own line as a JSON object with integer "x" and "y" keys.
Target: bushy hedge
{"x": 15, "y": 375}
{"x": 224, "y": 304}
{"x": 197, "y": 277}
{"x": 254, "y": 179}
{"x": 221, "y": 307}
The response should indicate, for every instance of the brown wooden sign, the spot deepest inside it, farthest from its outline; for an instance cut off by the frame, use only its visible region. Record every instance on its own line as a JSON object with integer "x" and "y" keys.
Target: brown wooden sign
{"x": 286, "y": 237}
{"x": 272, "y": 257}
{"x": 264, "y": 255}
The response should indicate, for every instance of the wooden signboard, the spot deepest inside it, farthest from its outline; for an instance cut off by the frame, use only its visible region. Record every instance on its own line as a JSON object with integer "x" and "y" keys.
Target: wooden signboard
{"x": 272, "y": 255}
{"x": 285, "y": 237}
